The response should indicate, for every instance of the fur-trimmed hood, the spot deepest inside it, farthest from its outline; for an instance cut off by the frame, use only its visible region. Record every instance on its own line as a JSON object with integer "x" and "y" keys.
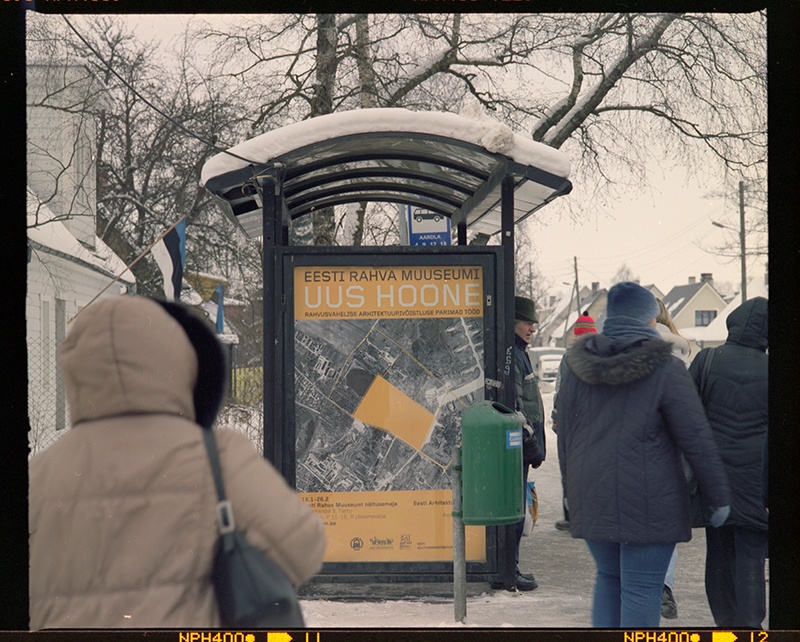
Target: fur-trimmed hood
{"x": 627, "y": 409}
{"x": 126, "y": 356}
{"x": 133, "y": 356}
{"x": 596, "y": 359}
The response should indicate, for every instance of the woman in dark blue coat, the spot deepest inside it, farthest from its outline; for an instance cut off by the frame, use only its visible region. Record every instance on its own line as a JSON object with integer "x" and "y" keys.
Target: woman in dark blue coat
{"x": 627, "y": 409}
{"x": 732, "y": 380}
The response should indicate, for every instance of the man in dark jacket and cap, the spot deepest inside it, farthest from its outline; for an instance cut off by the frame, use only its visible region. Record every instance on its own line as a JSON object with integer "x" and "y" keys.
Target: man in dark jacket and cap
{"x": 627, "y": 409}
{"x": 732, "y": 380}
{"x": 528, "y": 402}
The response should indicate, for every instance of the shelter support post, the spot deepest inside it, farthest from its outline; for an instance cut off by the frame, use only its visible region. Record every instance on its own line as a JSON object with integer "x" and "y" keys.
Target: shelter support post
{"x": 461, "y": 230}
{"x": 459, "y": 543}
{"x": 275, "y": 233}
{"x": 508, "y": 392}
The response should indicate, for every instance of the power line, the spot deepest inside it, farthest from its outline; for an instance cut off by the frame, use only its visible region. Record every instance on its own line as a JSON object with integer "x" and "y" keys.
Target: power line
{"x": 561, "y": 269}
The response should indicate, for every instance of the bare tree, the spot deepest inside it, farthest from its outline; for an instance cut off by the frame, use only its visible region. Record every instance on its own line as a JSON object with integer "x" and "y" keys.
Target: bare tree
{"x": 624, "y": 273}
{"x": 529, "y": 281}
{"x": 688, "y": 87}
{"x": 149, "y": 156}
{"x": 612, "y": 90}
{"x": 416, "y": 61}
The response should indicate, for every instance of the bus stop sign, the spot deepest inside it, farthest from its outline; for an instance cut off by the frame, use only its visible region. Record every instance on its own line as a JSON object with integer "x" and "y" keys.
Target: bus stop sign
{"x": 426, "y": 227}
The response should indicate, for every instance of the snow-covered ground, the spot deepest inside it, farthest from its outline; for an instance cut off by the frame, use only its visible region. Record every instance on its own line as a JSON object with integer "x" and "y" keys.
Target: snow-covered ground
{"x": 490, "y": 609}
{"x": 494, "y": 609}
{"x": 563, "y": 568}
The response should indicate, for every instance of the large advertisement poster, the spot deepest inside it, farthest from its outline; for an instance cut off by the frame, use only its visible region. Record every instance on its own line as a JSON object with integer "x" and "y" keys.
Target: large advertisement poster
{"x": 386, "y": 360}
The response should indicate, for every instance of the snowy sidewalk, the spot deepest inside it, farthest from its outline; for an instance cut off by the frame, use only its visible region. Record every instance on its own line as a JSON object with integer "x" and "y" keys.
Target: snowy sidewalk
{"x": 562, "y": 566}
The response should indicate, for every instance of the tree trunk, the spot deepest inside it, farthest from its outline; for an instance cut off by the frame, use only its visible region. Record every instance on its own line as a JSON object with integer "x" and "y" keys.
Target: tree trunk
{"x": 323, "y": 221}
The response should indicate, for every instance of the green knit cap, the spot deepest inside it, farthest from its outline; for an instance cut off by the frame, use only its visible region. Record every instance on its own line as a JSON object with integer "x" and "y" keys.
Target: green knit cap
{"x": 525, "y": 309}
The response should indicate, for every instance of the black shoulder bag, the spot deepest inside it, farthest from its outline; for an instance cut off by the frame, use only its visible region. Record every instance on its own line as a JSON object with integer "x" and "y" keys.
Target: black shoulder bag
{"x": 252, "y": 592}
{"x": 696, "y": 506}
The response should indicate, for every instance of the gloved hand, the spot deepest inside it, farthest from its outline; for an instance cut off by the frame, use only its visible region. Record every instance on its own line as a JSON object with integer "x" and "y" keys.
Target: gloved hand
{"x": 719, "y": 515}
{"x": 532, "y": 454}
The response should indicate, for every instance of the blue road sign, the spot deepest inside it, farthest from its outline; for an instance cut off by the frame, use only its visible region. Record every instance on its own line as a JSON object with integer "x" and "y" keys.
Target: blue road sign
{"x": 427, "y": 228}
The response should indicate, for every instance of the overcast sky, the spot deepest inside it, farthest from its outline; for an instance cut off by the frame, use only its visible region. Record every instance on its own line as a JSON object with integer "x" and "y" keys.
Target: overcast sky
{"x": 663, "y": 234}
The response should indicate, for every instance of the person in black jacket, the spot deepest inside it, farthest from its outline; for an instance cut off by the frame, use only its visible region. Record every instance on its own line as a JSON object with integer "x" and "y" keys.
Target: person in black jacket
{"x": 528, "y": 403}
{"x": 627, "y": 409}
{"x": 732, "y": 380}
{"x": 583, "y": 325}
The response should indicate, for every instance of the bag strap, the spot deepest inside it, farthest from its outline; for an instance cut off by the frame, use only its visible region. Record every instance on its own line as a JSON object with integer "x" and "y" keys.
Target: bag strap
{"x": 706, "y": 368}
{"x": 225, "y": 521}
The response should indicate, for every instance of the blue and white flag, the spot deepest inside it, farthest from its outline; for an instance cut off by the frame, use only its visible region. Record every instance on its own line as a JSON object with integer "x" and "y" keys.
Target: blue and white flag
{"x": 220, "y": 310}
{"x": 170, "y": 254}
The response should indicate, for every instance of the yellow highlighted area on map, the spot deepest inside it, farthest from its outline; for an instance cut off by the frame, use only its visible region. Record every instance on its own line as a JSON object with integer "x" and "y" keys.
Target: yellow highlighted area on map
{"x": 386, "y": 407}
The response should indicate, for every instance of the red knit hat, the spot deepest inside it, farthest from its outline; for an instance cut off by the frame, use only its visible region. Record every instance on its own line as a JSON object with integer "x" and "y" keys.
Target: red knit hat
{"x": 584, "y": 324}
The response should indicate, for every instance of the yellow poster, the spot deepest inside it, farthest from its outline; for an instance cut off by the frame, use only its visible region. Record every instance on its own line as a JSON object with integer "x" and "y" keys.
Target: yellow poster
{"x": 395, "y": 526}
{"x": 386, "y": 359}
{"x": 390, "y": 292}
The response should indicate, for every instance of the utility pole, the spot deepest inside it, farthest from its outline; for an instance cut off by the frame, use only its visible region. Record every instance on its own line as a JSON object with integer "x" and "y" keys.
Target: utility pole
{"x": 741, "y": 241}
{"x": 577, "y": 300}
{"x": 566, "y": 317}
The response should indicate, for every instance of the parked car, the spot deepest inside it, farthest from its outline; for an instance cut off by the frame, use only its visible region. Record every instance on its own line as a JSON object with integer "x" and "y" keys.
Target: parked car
{"x": 548, "y": 367}
{"x": 546, "y": 361}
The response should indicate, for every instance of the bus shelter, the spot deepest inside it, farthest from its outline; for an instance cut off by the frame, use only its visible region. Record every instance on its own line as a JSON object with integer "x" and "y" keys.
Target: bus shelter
{"x": 371, "y": 354}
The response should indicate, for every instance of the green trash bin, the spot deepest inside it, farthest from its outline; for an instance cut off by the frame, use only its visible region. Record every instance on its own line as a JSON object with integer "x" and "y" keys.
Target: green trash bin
{"x": 491, "y": 465}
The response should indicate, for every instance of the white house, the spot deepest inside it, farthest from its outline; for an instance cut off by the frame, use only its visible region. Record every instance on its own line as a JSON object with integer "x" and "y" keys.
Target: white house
{"x": 694, "y": 304}
{"x": 68, "y": 266}
{"x": 716, "y": 332}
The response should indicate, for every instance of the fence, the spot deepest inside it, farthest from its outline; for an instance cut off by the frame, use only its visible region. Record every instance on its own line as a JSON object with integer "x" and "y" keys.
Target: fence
{"x": 47, "y": 407}
{"x": 48, "y": 412}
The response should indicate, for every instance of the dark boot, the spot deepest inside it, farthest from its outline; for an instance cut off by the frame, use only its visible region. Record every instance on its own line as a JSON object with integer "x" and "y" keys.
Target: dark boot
{"x": 669, "y": 609}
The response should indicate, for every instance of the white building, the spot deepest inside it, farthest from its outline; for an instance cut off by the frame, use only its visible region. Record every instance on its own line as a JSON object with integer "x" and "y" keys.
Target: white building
{"x": 716, "y": 332}
{"x": 68, "y": 266}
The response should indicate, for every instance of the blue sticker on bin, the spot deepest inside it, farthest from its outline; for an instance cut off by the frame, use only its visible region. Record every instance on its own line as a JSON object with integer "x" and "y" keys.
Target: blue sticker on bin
{"x": 513, "y": 439}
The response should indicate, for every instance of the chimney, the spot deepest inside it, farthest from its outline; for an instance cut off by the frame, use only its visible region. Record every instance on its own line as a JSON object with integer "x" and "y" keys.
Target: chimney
{"x": 595, "y": 286}
{"x": 691, "y": 280}
{"x": 552, "y": 301}
{"x": 706, "y": 276}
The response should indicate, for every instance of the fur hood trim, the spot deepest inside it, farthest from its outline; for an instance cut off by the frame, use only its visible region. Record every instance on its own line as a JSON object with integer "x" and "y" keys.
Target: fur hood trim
{"x": 598, "y": 360}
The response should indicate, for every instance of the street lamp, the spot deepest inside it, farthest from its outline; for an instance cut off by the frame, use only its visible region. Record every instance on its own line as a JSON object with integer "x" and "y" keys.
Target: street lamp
{"x": 743, "y": 256}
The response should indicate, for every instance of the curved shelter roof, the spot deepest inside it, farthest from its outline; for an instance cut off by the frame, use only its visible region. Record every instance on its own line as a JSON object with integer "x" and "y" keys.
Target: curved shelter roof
{"x": 438, "y": 161}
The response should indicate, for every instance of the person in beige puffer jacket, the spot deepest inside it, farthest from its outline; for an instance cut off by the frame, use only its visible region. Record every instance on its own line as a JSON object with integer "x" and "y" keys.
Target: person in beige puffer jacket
{"x": 122, "y": 508}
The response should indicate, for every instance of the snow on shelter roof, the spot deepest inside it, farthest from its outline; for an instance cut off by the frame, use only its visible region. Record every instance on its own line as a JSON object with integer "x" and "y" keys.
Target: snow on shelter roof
{"x": 438, "y": 161}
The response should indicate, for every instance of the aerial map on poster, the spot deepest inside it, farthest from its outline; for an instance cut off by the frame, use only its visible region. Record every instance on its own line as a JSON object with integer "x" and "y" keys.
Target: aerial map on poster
{"x": 386, "y": 360}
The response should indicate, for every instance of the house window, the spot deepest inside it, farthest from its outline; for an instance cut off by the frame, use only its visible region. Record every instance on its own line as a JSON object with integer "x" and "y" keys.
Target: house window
{"x": 704, "y": 317}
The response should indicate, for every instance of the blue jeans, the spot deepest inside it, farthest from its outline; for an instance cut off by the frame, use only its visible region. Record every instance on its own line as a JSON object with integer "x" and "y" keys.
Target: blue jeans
{"x": 669, "y": 579}
{"x": 630, "y": 579}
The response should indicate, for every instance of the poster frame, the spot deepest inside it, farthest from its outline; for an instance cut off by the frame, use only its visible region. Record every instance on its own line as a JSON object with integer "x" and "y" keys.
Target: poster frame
{"x": 280, "y": 445}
